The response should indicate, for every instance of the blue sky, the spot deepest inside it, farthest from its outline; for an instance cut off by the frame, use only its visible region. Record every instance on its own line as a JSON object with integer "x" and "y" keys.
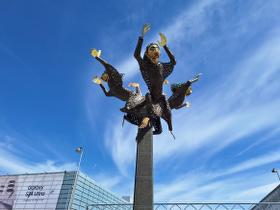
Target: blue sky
{"x": 226, "y": 143}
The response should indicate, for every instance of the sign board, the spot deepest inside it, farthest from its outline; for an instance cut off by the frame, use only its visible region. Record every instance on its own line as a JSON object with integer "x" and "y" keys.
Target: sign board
{"x": 34, "y": 191}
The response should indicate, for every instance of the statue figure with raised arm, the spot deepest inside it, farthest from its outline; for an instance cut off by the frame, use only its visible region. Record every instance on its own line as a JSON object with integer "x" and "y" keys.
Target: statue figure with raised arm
{"x": 135, "y": 107}
{"x": 155, "y": 73}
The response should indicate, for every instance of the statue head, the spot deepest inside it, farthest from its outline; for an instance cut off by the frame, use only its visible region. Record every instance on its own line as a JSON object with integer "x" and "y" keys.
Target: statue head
{"x": 105, "y": 77}
{"x": 152, "y": 53}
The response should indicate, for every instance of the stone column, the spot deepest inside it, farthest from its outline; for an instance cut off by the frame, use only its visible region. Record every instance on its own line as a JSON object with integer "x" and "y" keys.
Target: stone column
{"x": 143, "y": 187}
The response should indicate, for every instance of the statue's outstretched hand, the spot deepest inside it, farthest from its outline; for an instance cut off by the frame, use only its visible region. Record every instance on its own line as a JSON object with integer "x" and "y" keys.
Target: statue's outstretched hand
{"x": 163, "y": 40}
{"x": 196, "y": 78}
{"x": 96, "y": 53}
{"x": 145, "y": 29}
{"x": 133, "y": 84}
{"x": 97, "y": 80}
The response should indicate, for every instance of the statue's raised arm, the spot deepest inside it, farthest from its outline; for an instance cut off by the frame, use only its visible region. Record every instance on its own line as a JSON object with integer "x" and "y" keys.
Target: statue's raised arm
{"x": 154, "y": 74}
{"x": 137, "y": 52}
{"x": 167, "y": 67}
{"x": 112, "y": 77}
{"x": 96, "y": 54}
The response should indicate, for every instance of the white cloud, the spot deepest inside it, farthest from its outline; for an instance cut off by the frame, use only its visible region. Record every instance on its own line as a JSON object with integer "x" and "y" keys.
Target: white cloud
{"x": 107, "y": 181}
{"x": 271, "y": 157}
{"x": 239, "y": 189}
{"x": 115, "y": 182}
{"x": 121, "y": 144}
{"x": 129, "y": 67}
{"x": 266, "y": 137}
{"x": 220, "y": 185}
{"x": 12, "y": 163}
{"x": 52, "y": 166}
{"x": 191, "y": 23}
{"x": 204, "y": 186}
{"x": 258, "y": 191}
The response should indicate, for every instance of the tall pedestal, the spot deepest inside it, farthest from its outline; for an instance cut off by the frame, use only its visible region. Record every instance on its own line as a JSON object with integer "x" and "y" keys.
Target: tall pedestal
{"x": 143, "y": 188}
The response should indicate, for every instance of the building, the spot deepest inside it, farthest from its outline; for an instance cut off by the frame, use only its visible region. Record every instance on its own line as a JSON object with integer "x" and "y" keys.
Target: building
{"x": 273, "y": 196}
{"x": 52, "y": 191}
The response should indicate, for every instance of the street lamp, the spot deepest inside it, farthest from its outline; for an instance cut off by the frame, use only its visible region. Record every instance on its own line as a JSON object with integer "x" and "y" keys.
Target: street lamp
{"x": 274, "y": 170}
{"x": 80, "y": 151}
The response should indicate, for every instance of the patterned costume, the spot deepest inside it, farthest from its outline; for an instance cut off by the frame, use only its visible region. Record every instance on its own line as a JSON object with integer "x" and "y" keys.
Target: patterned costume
{"x": 135, "y": 107}
{"x": 176, "y": 100}
{"x": 115, "y": 82}
{"x": 154, "y": 76}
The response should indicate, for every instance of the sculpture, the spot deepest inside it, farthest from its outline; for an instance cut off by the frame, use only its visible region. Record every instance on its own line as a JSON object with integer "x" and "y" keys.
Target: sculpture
{"x": 154, "y": 74}
{"x": 146, "y": 111}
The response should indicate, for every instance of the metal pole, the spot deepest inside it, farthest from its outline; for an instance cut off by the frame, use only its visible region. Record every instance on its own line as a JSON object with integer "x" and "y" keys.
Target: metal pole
{"x": 75, "y": 181}
{"x": 81, "y": 156}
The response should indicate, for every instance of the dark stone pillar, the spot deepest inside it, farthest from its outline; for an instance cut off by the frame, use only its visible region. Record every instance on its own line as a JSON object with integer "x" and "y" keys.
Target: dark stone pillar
{"x": 143, "y": 187}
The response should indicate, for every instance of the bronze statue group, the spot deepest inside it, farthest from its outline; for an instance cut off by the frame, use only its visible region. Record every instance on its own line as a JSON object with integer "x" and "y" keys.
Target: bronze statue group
{"x": 146, "y": 111}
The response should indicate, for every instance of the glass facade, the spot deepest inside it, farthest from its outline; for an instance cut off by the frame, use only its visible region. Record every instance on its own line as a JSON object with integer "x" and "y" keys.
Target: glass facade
{"x": 66, "y": 191}
{"x": 88, "y": 192}
{"x": 52, "y": 191}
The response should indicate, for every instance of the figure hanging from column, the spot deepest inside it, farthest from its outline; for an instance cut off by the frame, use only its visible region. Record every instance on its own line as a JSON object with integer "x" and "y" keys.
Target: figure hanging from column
{"x": 134, "y": 99}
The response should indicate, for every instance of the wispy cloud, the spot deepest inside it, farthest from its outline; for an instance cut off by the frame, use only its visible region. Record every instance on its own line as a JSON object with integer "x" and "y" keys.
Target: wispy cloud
{"x": 242, "y": 188}
{"x": 255, "y": 192}
{"x": 106, "y": 181}
{"x": 204, "y": 184}
{"x": 12, "y": 161}
{"x": 267, "y": 137}
{"x": 121, "y": 144}
{"x": 255, "y": 162}
{"x": 13, "y": 165}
